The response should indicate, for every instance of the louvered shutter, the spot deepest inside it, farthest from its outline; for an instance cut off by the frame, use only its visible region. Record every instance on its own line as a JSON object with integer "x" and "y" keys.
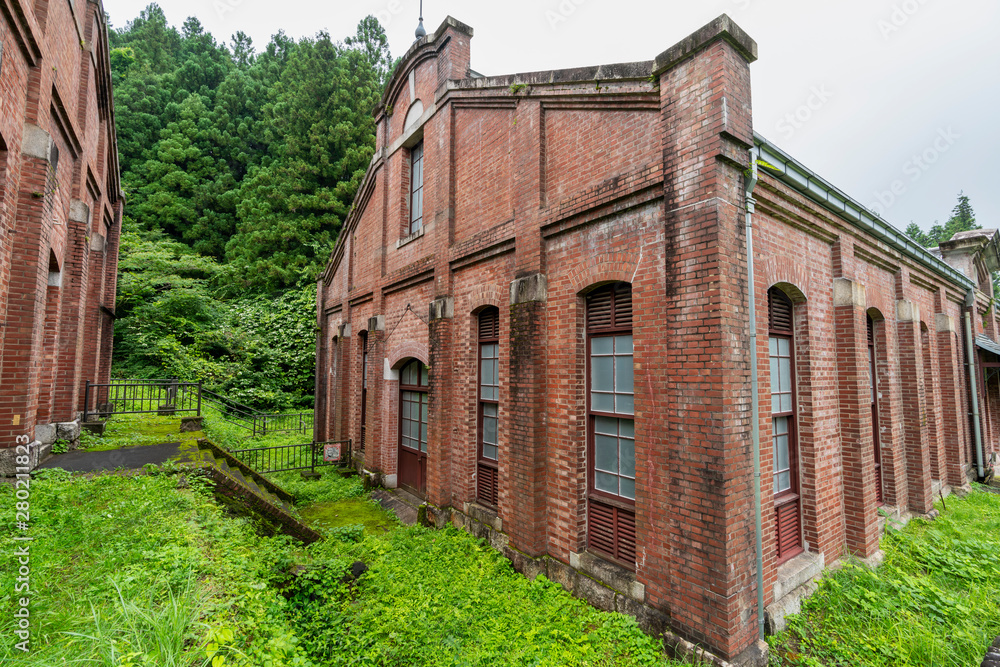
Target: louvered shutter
{"x": 611, "y": 531}
{"x": 489, "y": 324}
{"x": 610, "y": 307}
{"x": 779, "y": 313}
{"x": 871, "y": 332}
{"x": 623, "y": 306}
{"x": 487, "y": 484}
{"x": 599, "y": 315}
{"x": 788, "y": 530}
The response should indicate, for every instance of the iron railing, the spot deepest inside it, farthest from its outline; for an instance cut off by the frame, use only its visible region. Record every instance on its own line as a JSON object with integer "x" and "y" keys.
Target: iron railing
{"x": 141, "y": 396}
{"x": 258, "y": 423}
{"x": 307, "y": 456}
{"x": 171, "y": 396}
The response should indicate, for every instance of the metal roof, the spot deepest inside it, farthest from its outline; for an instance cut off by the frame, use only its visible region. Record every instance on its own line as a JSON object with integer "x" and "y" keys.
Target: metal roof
{"x": 983, "y": 342}
{"x": 790, "y": 171}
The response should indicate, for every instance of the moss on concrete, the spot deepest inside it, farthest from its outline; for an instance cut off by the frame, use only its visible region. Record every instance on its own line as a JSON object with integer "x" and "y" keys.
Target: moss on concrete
{"x": 347, "y": 512}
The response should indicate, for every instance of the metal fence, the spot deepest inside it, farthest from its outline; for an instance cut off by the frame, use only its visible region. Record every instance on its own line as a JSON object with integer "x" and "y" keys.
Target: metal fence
{"x": 141, "y": 396}
{"x": 258, "y": 423}
{"x": 171, "y": 396}
{"x": 307, "y": 456}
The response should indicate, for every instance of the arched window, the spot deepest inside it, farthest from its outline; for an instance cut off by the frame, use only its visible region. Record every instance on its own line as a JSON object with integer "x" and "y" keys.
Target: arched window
{"x": 783, "y": 427}
{"x": 416, "y": 188}
{"x": 873, "y": 376}
{"x": 488, "y": 447}
{"x": 413, "y": 385}
{"x": 610, "y": 424}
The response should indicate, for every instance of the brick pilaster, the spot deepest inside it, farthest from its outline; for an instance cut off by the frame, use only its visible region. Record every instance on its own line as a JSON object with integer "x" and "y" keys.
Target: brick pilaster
{"x": 440, "y": 407}
{"x": 952, "y": 413}
{"x": 911, "y": 370}
{"x": 526, "y": 430}
{"x": 856, "y": 428}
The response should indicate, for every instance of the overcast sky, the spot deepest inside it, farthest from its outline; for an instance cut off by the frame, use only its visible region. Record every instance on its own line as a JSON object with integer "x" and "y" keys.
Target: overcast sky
{"x": 873, "y": 95}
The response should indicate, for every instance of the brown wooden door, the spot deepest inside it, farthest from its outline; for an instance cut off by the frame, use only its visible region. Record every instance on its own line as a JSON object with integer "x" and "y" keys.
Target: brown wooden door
{"x": 412, "y": 459}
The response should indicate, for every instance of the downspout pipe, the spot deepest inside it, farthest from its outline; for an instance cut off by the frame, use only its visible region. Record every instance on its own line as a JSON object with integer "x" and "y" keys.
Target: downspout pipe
{"x": 754, "y": 398}
{"x": 970, "y": 302}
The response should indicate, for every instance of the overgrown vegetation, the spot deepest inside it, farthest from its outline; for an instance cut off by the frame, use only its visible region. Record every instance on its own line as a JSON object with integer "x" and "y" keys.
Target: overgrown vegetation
{"x": 144, "y": 571}
{"x": 239, "y": 168}
{"x": 932, "y": 602}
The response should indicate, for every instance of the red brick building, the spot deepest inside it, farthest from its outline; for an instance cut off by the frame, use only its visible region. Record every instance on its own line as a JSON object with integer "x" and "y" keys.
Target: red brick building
{"x": 60, "y": 215}
{"x": 537, "y": 319}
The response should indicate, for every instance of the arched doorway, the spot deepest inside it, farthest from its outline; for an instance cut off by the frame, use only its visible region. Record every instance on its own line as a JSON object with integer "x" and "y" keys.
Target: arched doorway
{"x": 412, "y": 459}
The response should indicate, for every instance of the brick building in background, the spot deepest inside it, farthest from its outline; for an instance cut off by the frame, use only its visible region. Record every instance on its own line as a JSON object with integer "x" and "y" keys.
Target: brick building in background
{"x": 60, "y": 217}
{"x": 537, "y": 319}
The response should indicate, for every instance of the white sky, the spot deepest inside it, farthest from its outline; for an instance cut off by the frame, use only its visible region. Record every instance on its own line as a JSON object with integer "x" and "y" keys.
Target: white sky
{"x": 887, "y": 80}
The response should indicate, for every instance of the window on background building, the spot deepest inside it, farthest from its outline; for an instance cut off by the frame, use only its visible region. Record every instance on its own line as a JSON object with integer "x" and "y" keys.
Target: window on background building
{"x": 783, "y": 426}
{"x": 416, "y": 187}
{"x": 610, "y": 424}
{"x": 488, "y": 448}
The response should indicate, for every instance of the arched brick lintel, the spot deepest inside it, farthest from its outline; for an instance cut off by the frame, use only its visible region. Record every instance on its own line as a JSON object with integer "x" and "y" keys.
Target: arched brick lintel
{"x": 613, "y": 267}
{"x": 408, "y": 350}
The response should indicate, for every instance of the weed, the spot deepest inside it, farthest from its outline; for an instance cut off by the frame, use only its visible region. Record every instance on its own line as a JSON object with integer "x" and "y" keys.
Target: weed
{"x": 930, "y": 603}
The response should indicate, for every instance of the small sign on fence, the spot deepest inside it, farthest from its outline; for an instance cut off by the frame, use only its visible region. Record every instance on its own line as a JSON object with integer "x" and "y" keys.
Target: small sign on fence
{"x": 331, "y": 453}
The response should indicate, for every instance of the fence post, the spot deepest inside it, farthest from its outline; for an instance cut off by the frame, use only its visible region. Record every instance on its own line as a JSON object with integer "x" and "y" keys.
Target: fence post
{"x": 86, "y": 400}
{"x": 312, "y": 467}
{"x": 199, "y": 398}
{"x": 263, "y": 421}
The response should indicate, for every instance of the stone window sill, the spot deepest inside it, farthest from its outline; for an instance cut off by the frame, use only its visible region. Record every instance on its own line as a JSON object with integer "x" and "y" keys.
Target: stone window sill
{"x": 796, "y": 572}
{"x": 409, "y": 239}
{"x": 610, "y": 574}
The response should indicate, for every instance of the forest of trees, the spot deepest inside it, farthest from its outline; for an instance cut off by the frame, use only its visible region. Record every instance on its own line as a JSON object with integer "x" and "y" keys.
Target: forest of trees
{"x": 239, "y": 167}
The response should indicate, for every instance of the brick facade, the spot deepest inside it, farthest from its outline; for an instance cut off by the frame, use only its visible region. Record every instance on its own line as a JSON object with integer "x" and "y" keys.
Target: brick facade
{"x": 60, "y": 213}
{"x": 539, "y": 188}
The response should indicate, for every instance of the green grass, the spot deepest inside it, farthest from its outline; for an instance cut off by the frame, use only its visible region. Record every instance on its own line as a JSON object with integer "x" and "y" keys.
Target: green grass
{"x": 132, "y": 570}
{"x": 933, "y": 601}
{"x": 442, "y": 598}
{"x": 131, "y": 430}
{"x": 149, "y": 570}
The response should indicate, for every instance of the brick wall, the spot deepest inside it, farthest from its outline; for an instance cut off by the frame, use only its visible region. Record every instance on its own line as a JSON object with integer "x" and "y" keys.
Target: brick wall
{"x": 540, "y": 187}
{"x": 55, "y": 130}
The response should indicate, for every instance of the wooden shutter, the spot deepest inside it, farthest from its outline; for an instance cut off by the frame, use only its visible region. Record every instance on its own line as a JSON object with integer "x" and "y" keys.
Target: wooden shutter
{"x": 779, "y": 311}
{"x": 610, "y": 307}
{"x": 611, "y": 531}
{"x": 599, "y": 315}
{"x": 623, "y": 306}
{"x": 788, "y": 530}
{"x": 488, "y": 485}
{"x": 871, "y": 332}
{"x": 489, "y": 324}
